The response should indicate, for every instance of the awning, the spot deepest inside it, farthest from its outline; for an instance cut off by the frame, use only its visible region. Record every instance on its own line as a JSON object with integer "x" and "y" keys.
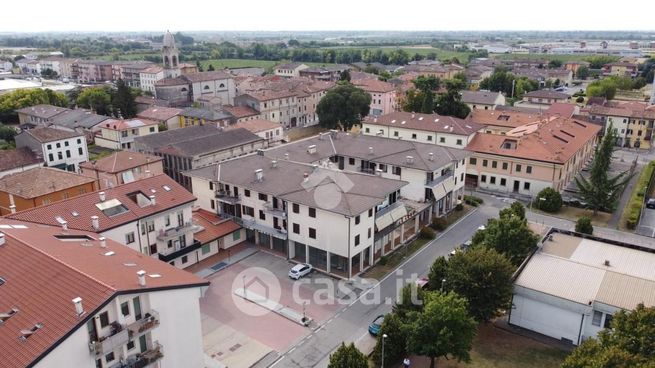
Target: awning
{"x": 392, "y": 215}
{"x": 449, "y": 184}
{"x": 443, "y": 188}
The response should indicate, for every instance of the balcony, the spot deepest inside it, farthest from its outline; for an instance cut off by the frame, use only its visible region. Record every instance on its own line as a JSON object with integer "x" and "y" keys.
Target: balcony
{"x": 227, "y": 196}
{"x": 277, "y": 212}
{"x": 436, "y": 181}
{"x": 167, "y": 257}
{"x": 144, "y": 359}
{"x": 149, "y": 321}
{"x": 176, "y": 232}
{"x": 118, "y": 336}
{"x": 367, "y": 170}
{"x": 254, "y": 225}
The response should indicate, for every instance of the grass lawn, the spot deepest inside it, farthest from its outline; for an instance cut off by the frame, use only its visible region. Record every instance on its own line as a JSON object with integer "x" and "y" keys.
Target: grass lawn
{"x": 129, "y": 57}
{"x": 411, "y": 50}
{"x": 495, "y": 348}
{"x": 574, "y": 213}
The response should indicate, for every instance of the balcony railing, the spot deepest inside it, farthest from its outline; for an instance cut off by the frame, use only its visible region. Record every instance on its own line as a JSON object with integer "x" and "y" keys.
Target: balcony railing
{"x": 367, "y": 170}
{"x": 167, "y": 257}
{"x": 149, "y": 321}
{"x": 227, "y": 196}
{"x": 277, "y": 212}
{"x": 175, "y": 232}
{"x": 436, "y": 181}
{"x": 144, "y": 359}
{"x": 119, "y": 336}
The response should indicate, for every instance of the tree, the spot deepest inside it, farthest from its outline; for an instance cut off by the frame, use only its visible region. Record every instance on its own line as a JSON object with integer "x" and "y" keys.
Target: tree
{"x": 10, "y": 102}
{"x": 411, "y": 300}
{"x": 516, "y": 209}
{"x": 210, "y": 68}
{"x": 395, "y": 345}
{"x": 343, "y": 106}
{"x": 549, "y": 200}
{"x": 345, "y": 75}
{"x": 348, "y": 356}
{"x": 7, "y": 133}
{"x": 484, "y": 277}
{"x": 123, "y": 100}
{"x": 443, "y": 329}
{"x": 554, "y": 64}
{"x": 293, "y": 43}
{"x": 582, "y": 73}
{"x": 97, "y": 99}
{"x": 629, "y": 343}
{"x": 421, "y": 97}
{"x": 199, "y": 66}
{"x": 509, "y": 236}
{"x": 600, "y": 191}
{"x": 584, "y": 226}
{"x": 450, "y": 104}
{"x": 438, "y": 273}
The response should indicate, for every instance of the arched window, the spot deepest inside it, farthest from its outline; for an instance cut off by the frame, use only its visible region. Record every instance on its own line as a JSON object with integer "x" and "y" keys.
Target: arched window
{"x": 166, "y": 61}
{"x": 183, "y": 89}
{"x": 174, "y": 62}
{"x": 222, "y": 85}
{"x": 206, "y": 87}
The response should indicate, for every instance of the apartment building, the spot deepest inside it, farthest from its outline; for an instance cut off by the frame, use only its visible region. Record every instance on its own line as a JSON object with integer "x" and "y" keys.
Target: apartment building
{"x": 542, "y": 99}
{"x": 39, "y": 114}
{"x": 148, "y": 77}
{"x": 241, "y": 113}
{"x": 197, "y": 146}
{"x": 572, "y": 286}
{"x": 119, "y": 134}
{"x": 289, "y": 208}
{"x": 529, "y": 158}
{"x": 331, "y": 73}
{"x": 40, "y": 186}
{"x": 59, "y": 148}
{"x": 289, "y": 70}
{"x": 72, "y": 299}
{"x": 167, "y": 116}
{"x": 122, "y": 167}
{"x": 280, "y": 107}
{"x": 620, "y": 69}
{"x": 482, "y": 100}
{"x": 272, "y": 132}
{"x": 445, "y": 131}
{"x": 633, "y": 122}
{"x": 383, "y": 95}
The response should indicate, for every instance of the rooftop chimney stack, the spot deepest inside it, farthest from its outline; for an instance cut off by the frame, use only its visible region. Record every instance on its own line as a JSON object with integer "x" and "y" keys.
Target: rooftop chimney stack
{"x": 103, "y": 242}
{"x": 95, "y": 222}
{"x": 259, "y": 174}
{"x": 311, "y": 149}
{"x": 370, "y": 150}
{"x": 431, "y": 156}
{"x": 142, "y": 277}
{"x": 79, "y": 309}
{"x": 286, "y": 156}
{"x": 153, "y": 200}
{"x": 410, "y": 159}
{"x": 305, "y": 177}
{"x": 64, "y": 226}
{"x": 12, "y": 208}
{"x": 274, "y": 163}
{"x": 147, "y": 173}
{"x": 102, "y": 196}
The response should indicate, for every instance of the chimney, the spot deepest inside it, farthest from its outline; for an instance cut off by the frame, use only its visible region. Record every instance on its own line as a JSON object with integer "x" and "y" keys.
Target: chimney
{"x": 274, "y": 163}
{"x": 305, "y": 177}
{"x": 413, "y": 116}
{"x": 102, "y": 196}
{"x": 607, "y": 263}
{"x": 311, "y": 149}
{"x": 2, "y": 239}
{"x": 79, "y": 309}
{"x": 409, "y": 159}
{"x": 370, "y": 150}
{"x": 64, "y": 226}
{"x": 103, "y": 242}
{"x": 286, "y": 156}
{"x": 142, "y": 277}
{"x": 153, "y": 201}
{"x": 378, "y": 172}
{"x": 95, "y": 222}
{"x": 12, "y": 208}
{"x": 431, "y": 156}
{"x": 147, "y": 173}
{"x": 259, "y": 174}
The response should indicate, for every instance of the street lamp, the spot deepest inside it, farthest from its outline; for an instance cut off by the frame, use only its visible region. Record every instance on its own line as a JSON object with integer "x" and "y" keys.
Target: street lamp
{"x": 443, "y": 281}
{"x": 384, "y": 336}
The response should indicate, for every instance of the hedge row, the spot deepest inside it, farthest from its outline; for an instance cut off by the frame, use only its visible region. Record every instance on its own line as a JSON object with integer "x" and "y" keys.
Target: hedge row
{"x": 638, "y": 196}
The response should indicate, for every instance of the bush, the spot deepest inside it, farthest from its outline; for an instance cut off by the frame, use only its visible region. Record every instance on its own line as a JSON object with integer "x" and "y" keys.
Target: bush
{"x": 583, "y": 225}
{"x": 459, "y": 207}
{"x": 580, "y": 99}
{"x": 383, "y": 260}
{"x": 427, "y": 233}
{"x": 552, "y": 200}
{"x": 473, "y": 201}
{"x": 638, "y": 196}
{"x": 439, "y": 223}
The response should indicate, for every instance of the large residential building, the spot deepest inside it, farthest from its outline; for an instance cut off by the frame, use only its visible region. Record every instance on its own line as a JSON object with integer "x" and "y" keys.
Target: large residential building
{"x": 570, "y": 288}
{"x": 59, "y": 148}
{"x": 40, "y": 186}
{"x": 531, "y": 157}
{"x": 241, "y": 113}
{"x": 331, "y": 73}
{"x": 18, "y": 160}
{"x": 167, "y": 116}
{"x": 482, "y": 100}
{"x": 383, "y": 95}
{"x": 289, "y": 70}
{"x": 72, "y": 299}
{"x": 196, "y": 116}
{"x": 119, "y": 134}
{"x": 39, "y": 114}
{"x": 633, "y": 122}
{"x": 197, "y": 146}
{"x": 122, "y": 167}
{"x": 149, "y": 76}
{"x": 542, "y": 99}
{"x": 183, "y": 90}
{"x": 272, "y": 132}
{"x": 620, "y": 69}
{"x": 425, "y": 128}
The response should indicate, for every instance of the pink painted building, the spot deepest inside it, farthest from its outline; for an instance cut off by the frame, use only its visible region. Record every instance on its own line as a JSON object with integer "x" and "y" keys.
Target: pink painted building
{"x": 383, "y": 95}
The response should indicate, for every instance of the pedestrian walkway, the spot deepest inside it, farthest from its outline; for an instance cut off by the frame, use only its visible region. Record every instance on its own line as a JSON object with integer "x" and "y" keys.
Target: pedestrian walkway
{"x": 275, "y": 307}
{"x": 224, "y": 262}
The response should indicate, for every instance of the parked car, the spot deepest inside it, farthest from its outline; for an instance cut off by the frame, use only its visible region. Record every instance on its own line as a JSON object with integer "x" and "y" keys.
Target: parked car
{"x": 650, "y": 203}
{"x": 300, "y": 270}
{"x": 374, "y": 327}
{"x": 464, "y": 247}
{"x": 422, "y": 282}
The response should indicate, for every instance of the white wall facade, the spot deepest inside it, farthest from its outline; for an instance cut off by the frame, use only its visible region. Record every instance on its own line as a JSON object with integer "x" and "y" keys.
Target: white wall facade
{"x": 422, "y": 136}
{"x": 71, "y": 151}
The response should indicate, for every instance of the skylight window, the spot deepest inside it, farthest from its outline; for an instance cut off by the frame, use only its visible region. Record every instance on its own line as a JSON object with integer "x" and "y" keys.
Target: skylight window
{"x": 75, "y": 213}
{"x": 27, "y": 333}
{"x": 167, "y": 188}
{"x": 19, "y": 227}
{"x": 110, "y": 253}
{"x": 6, "y": 316}
{"x": 2, "y": 281}
{"x": 155, "y": 275}
{"x": 112, "y": 207}
{"x": 73, "y": 238}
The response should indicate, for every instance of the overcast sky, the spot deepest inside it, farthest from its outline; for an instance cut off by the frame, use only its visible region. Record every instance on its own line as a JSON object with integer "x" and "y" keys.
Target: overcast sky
{"x": 295, "y": 15}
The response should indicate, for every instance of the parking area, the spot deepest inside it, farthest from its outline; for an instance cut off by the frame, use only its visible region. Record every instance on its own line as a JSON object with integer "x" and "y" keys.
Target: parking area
{"x": 238, "y": 333}
{"x": 647, "y": 223}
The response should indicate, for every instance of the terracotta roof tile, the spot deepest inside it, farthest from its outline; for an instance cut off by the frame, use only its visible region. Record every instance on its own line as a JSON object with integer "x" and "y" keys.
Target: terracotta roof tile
{"x": 120, "y": 161}
{"x": 508, "y": 119}
{"x": 19, "y": 157}
{"x": 159, "y": 113}
{"x": 427, "y": 122}
{"x": 255, "y": 126}
{"x": 374, "y": 85}
{"x": 41, "y": 181}
{"x": 214, "y": 227}
{"x": 240, "y": 111}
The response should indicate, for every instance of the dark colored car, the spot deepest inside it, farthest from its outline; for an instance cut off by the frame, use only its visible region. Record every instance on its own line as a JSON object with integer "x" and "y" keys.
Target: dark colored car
{"x": 374, "y": 327}
{"x": 650, "y": 203}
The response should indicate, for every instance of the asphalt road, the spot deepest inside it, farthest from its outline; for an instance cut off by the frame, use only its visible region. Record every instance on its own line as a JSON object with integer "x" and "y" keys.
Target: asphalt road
{"x": 351, "y": 322}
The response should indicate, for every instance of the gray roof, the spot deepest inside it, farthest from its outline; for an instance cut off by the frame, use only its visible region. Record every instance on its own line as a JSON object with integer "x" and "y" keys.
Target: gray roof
{"x": 78, "y": 118}
{"x": 545, "y": 93}
{"x": 206, "y": 114}
{"x": 45, "y": 135}
{"x": 480, "y": 97}
{"x": 385, "y": 150}
{"x": 42, "y": 111}
{"x": 195, "y": 140}
{"x": 357, "y": 192}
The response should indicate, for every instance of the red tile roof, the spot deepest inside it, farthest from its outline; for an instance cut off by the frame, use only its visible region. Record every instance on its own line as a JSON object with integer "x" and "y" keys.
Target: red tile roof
{"x": 374, "y": 85}
{"x": 43, "y": 274}
{"x": 564, "y": 110}
{"x": 40, "y": 181}
{"x": 20, "y": 157}
{"x": 214, "y": 226}
{"x": 427, "y": 122}
{"x": 240, "y": 111}
{"x": 120, "y": 161}
{"x": 85, "y": 205}
{"x": 159, "y": 113}
{"x": 507, "y": 119}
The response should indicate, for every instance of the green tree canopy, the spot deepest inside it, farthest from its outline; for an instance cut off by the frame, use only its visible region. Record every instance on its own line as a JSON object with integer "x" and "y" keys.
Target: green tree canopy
{"x": 549, "y": 200}
{"x": 210, "y": 68}
{"x": 443, "y": 329}
{"x": 348, "y": 356}
{"x": 395, "y": 345}
{"x": 515, "y": 209}
{"x": 123, "y": 100}
{"x": 629, "y": 343}
{"x": 582, "y": 72}
{"x": 343, "y": 106}
{"x": 10, "y": 102}
{"x": 584, "y": 226}
{"x": 411, "y": 300}
{"x": 450, "y": 103}
{"x": 97, "y": 99}
{"x": 482, "y": 276}
{"x": 345, "y": 75}
{"x": 438, "y": 273}
{"x": 509, "y": 236}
